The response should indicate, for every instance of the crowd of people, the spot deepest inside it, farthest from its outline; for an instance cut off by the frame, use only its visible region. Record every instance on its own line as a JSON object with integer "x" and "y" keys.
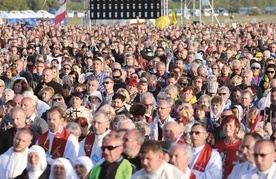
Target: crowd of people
{"x": 122, "y": 101}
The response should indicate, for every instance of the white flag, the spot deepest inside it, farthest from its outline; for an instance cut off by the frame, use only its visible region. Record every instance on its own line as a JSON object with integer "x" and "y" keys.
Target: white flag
{"x": 205, "y": 2}
{"x": 186, "y": 12}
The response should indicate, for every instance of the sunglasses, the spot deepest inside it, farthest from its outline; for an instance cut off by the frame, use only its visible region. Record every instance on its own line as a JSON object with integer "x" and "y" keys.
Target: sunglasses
{"x": 106, "y": 82}
{"x": 255, "y": 68}
{"x": 57, "y": 99}
{"x": 183, "y": 84}
{"x": 195, "y": 132}
{"x": 115, "y": 77}
{"x": 109, "y": 147}
{"x": 222, "y": 94}
{"x": 261, "y": 155}
{"x": 270, "y": 72}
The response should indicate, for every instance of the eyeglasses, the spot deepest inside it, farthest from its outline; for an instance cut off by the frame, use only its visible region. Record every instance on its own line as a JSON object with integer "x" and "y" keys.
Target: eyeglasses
{"x": 255, "y": 68}
{"x": 57, "y": 99}
{"x": 115, "y": 77}
{"x": 162, "y": 108}
{"x": 262, "y": 155}
{"x": 109, "y": 147}
{"x": 222, "y": 94}
{"x": 270, "y": 72}
{"x": 106, "y": 82}
{"x": 195, "y": 132}
{"x": 183, "y": 84}
{"x": 148, "y": 105}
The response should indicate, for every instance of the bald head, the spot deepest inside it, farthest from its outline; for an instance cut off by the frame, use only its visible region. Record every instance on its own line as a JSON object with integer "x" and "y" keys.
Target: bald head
{"x": 17, "y": 100}
{"x": 172, "y": 131}
{"x": 181, "y": 156}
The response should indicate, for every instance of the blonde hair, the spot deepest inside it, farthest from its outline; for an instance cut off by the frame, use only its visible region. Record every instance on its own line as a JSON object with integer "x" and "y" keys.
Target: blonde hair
{"x": 186, "y": 109}
{"x": 125, "y": 93}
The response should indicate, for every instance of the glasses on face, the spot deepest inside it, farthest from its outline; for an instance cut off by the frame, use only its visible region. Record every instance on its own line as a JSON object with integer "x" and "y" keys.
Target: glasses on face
{"x": 261, "y": 155}
{"x": 109, "y": 147}
{"x": 183, "y": 84}
{"x": 116, "y": 77}
{"x": 148, "y": 105}
{"x": 270, "y": 72}
{"x": 57, "y": 99}
{"x": 195, "y": 132}
{"x": 106, "y": 82}
{"x": 162, "y": 108}
{"x": 222, "y": 94}
{"x": 255, "y": 68}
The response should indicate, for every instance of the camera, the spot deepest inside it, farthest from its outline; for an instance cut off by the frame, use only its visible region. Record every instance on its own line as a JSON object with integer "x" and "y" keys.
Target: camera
{"x": 268, "y": 113}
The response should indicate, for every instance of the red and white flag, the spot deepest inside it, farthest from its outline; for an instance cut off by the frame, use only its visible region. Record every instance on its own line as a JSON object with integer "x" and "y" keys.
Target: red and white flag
{"x": 60, "y": 14}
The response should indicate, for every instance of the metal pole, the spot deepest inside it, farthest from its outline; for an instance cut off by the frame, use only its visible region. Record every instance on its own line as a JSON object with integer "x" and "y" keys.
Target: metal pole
{"x": 200, "y": 11}
{"x": 212, "y": 11}
{"x": 181, "y": 10}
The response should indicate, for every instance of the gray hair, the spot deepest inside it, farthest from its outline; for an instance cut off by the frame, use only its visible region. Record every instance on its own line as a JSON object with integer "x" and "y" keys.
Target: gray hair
{"x": 123, "y": 121}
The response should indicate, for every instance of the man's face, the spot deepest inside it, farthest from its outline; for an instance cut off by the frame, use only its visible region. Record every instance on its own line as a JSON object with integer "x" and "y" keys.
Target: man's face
{"x": 40, "y": 68}
{"x": 76, "y": 102}
{"x": 160, "y": 69}
{"x": 247, "y": 78}
{"x": 21, "y": 141}
{"x": 163, "y": 109}
{"x": 178, "y": 157}
{"x": 97, "y": 65}
{"x": 224, "y": 94}
{"x": 160, "y": 52}
{"x": 265, "y": 162}
{"x": 115, "y": 153}
{"x": 130, "y": 143}
{"x": 273, "y": 98}
{"x": 149, "y": 105}
{"x": 28, "y": 107}
{"x": 247, "y": 148}
{"x": 19, "y": 119}
{"x": 151, "y": 161}
{"x": 171, "y": 132}
{"x": 237, "y": 69}
{"x": 129, "y": 61}
{"x": 66, "y": 93}
{"x": 92, "y": 86}
{"x": 116, "y": 76}
{"x": 18, "y": 66}
{"x": 100, "y": 124}
{"x": 54, "y": 121}
{"x": 47, "y": 75}
{"x": 198, "y": 136}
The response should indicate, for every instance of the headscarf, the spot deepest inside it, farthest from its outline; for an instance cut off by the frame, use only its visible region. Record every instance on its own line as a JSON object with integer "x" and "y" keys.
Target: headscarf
{"x": 41, "y": 165}
{"x": 85, "y": 161}
{"x": 69, "y": 171}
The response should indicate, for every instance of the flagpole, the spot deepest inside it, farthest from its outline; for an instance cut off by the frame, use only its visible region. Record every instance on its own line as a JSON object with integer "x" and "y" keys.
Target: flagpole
{"x": 181, "y": 9}
{"x": 200, "y": 1}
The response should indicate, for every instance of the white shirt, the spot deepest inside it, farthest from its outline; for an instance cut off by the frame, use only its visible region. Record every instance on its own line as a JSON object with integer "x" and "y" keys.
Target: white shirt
{"x": 255, "y": 174}
{"x": 13, "y": 163}
{"x": 71, "y": 147}
{"x": 240, "y": 169}
{"x": 214, "y": 167}
{"x": 154, "y": 127}
{"x": 96, "y": 153}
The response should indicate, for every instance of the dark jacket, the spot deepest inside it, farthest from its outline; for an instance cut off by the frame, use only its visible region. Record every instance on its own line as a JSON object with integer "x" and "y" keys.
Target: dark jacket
{"x": 44, "y": 175}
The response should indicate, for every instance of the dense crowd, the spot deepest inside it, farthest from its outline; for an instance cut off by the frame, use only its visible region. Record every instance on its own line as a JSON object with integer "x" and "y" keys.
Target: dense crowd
{"x": 129, "y": 101}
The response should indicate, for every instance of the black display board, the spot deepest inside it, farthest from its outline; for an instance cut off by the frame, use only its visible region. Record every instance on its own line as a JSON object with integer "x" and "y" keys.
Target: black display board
{"x": 125, "y": 9}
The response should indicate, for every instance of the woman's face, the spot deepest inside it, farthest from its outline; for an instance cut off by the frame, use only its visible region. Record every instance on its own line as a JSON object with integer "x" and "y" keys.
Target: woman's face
{"x": 9, "y": 74}
{"x": 230, "y": 129}
{"x": 54, "y": 73}
{"x": 59, "y": 172}
{"x": 171, "y": 94}
{"x": 46, "y": 96}
{"x": 81, "y": 171}
{"x": 33, "y": 159}
{"x": 17, "y": 88}
{"x": 216, "y": 107}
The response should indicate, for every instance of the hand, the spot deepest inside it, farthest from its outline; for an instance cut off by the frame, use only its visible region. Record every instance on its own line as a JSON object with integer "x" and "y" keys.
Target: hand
{"x": 268, "y": 128}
